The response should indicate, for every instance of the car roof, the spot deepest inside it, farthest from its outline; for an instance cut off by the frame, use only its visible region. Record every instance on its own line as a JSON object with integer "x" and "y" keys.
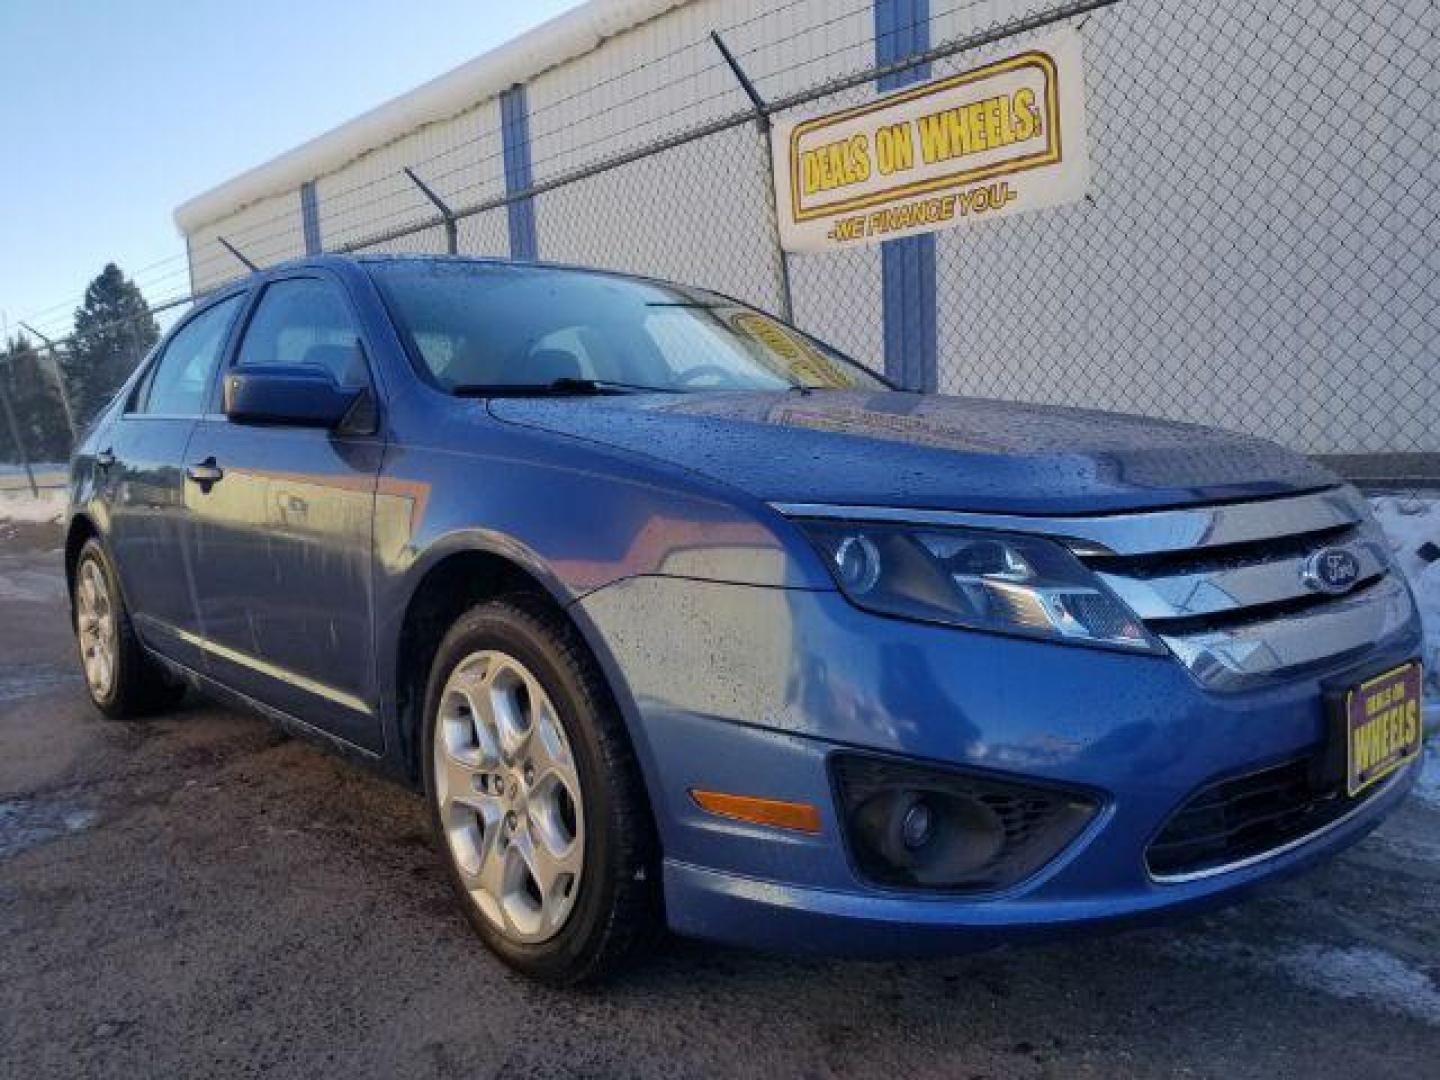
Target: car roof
{"x": 352, "y": 260}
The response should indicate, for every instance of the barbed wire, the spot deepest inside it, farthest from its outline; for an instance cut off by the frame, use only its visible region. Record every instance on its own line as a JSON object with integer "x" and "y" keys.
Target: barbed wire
{"x": 1142, "y": 111}
{"x": 349, "y": 240}
{"x": 264, "y": 238}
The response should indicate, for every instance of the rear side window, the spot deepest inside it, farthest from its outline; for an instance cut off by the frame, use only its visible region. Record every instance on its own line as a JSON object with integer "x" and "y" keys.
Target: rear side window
{"x": 305, "y": 322}
{"x": 179, "y": 385}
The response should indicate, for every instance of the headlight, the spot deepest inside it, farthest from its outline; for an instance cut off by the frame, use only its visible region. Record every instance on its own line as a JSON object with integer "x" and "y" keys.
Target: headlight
{"x": 982, "y": 580}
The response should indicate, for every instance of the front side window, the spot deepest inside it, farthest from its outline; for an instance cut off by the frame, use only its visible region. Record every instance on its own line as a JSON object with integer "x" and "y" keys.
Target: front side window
{"x": 487, "y": 326}
{"x": 180, "y": 383}
{"x": 305, "y": 322}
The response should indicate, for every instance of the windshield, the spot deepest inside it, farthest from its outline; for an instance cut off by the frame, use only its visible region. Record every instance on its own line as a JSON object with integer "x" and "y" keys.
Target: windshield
{"x": 477, "y": 327}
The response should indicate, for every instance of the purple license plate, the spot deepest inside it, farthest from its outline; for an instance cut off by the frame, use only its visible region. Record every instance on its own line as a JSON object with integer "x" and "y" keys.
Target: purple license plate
{"x": 1382, "y": 721}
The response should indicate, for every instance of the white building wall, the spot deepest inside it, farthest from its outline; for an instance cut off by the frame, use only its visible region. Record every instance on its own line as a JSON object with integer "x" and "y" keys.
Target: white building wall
{"x": 1263, "y": 177}
{"x": 266, "y": 232}
{"x": 661, "y": 215}
{"x": 700, "y": 212}
{"x": 1232, "y": 265}
{"x": 460, "y": 159}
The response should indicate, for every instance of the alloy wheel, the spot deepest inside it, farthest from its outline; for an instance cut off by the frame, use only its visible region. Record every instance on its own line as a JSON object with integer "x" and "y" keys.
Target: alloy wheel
{"x": 95, "y": 625}
{"x": 509, "y": 796}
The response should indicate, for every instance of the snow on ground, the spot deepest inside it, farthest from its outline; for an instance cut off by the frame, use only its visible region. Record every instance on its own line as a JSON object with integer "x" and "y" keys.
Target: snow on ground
{"x": 20, "y": 505}
{"x": 1428, "y": 787}
{"x": 1349, "y": 972}
{"x": 30, "y": 585}
{"x": 25, "y": 823}
{"x": 1413, "y": 527}
{"x": 1365, "y": 973}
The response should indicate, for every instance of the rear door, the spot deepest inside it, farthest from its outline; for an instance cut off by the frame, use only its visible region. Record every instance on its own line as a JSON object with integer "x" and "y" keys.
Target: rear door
{"x": 142, "y": 469}
{"x": 282, "y": 527}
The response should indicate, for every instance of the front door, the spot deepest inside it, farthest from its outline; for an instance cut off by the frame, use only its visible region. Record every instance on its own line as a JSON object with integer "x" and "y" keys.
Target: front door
{"x": 282, "y": 529}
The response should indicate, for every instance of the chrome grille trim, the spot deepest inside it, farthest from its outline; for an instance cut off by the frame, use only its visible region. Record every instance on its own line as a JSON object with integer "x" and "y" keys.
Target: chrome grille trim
{"x": 1145, "y": 533}
{"x": 1229, "y": 589}
{"x": 1231, "y": 659}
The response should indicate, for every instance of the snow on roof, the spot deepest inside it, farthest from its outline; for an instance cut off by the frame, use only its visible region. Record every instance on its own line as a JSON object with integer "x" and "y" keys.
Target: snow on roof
{"x": 552, "y": 43}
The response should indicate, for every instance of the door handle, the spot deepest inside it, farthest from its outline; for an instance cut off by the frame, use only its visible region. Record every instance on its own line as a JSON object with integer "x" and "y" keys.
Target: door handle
{"x": 105, "y": 458}
{"x": 206, "y": 473}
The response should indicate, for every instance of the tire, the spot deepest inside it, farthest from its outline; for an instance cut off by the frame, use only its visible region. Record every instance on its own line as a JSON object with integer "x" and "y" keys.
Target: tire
{"x": 124, "y": 683}
{"x": 507, "y": 676}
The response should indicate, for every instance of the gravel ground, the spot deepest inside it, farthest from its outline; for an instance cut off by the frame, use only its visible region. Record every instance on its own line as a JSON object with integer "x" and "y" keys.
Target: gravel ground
{"x": 201, "y": 895}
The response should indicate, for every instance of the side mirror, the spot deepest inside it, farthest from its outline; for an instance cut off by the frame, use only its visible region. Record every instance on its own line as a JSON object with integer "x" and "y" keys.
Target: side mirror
{"x": 295, "y": 396}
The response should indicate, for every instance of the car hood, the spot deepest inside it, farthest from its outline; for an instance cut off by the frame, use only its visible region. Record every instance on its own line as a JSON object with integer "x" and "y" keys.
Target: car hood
{"x": 890, "y": 448}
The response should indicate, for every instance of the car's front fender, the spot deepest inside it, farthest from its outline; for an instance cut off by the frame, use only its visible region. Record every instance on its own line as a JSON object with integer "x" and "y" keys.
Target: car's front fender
{"x": 570, "y": 516}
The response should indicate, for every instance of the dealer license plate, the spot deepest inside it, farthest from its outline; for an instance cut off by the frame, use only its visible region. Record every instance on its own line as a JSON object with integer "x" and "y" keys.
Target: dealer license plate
{"x": 1382, "y": 724}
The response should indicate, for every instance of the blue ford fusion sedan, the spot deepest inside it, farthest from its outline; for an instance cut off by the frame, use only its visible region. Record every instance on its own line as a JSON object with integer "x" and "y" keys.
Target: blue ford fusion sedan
{"x": 681, "y": 618}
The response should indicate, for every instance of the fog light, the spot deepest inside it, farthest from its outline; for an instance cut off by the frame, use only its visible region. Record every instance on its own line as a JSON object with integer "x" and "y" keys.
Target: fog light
{"x": 911, "y": 825}
{"x": 934, "y": 837}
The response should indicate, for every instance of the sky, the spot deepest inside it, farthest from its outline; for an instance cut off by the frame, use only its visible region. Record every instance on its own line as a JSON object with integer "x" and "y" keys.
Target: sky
{"x": 112, "y": 114}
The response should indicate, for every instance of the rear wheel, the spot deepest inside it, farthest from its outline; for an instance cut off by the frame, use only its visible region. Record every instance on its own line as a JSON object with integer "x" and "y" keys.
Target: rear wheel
{"x": 122, "y": 680}
{"x": 535, "y": 796}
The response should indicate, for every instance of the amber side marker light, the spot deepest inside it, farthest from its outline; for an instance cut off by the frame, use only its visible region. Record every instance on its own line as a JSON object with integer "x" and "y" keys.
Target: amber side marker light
{"x": 796, "y": 816}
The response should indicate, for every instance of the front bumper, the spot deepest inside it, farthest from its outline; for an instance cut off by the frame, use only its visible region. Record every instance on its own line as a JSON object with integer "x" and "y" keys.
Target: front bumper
{"x": 708, "y": 903}
{"x": 750, "y": 690}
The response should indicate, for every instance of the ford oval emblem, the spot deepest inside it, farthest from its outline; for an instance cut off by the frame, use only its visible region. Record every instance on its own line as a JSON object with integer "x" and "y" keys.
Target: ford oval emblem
{"x": 1333, "y": 570}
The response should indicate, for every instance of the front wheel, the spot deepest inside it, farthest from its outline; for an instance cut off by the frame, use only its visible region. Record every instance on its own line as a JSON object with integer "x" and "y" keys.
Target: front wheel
{"x": 535, "y": 796}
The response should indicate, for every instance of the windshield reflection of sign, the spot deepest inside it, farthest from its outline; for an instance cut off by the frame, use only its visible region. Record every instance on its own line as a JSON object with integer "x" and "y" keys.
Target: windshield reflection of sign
{"x": 1003, "y": 137}
{"x": 789, "y": 355}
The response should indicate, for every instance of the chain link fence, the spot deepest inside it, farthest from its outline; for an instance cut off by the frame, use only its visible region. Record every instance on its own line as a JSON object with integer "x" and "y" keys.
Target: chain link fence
{"x": 1259, "y": 246}
{"x": 1258, "y": 249}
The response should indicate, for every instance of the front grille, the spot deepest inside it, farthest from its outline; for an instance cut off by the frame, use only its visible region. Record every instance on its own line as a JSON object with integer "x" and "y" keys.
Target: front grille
{"x": 1233, "y": 820}
{"x": 1226, "y": 589}
{"x": 1235, "y": 584}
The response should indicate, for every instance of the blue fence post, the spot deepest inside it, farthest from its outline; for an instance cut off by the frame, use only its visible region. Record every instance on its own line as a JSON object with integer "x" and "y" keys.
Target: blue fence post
{"x": 907, "y": 266}
{"x": 310, "y": 218}
{"x": 515, "y": 139}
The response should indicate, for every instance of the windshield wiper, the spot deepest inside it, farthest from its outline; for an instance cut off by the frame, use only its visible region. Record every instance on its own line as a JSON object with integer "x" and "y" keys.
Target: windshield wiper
{"x": 566, "y": 387}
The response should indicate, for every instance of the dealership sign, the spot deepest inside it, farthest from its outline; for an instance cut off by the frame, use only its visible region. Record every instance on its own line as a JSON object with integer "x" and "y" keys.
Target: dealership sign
{"x": 1005, "y": 137}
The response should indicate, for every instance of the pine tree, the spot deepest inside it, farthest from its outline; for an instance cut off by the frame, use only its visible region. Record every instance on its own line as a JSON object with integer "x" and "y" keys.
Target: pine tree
{"x": 113, "y": 331}
{"x": 28, "y": 380}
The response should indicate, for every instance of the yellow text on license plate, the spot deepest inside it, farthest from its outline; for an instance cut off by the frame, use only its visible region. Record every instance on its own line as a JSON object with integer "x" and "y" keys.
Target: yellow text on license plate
{"x": 1382, "y": 725}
